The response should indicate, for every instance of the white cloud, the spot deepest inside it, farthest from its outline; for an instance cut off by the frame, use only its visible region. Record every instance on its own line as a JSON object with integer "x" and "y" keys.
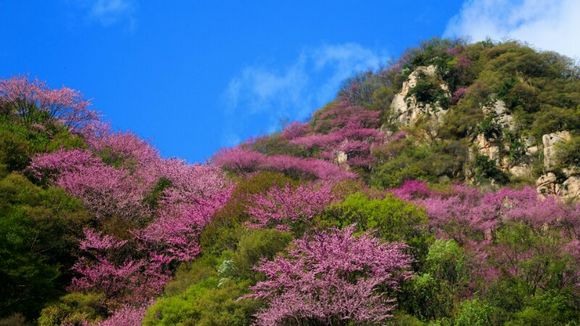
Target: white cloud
{"x": 294, "y": 91}
{"x": 109, "y": 12}
{"x": 544, "y": 24}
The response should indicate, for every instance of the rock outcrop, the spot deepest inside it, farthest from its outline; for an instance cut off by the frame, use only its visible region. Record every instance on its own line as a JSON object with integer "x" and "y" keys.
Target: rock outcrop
{"x": 548, "y": 183}
{"x": 487, "y": 148}
{"x": 341, "y": 158}
{"x": 571, "y": 188}
{"x": 406, "y": 108}
{"x": 500, "y": 114}
{"x": 549, "y": 141}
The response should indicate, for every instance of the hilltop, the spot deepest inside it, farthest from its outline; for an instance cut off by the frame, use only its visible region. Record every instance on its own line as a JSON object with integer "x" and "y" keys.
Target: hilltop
{"x": 442, "y": 189}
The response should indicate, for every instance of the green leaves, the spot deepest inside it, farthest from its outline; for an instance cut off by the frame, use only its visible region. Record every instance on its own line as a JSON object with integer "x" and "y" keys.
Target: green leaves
{"x": 390, "y": 219}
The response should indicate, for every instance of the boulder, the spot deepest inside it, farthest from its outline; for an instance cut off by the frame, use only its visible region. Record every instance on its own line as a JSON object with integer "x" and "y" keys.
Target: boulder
{"x": 549, "y": 141}
{"x": 341, "y": 158}
{"x": 521, "y": 171}
{"x": 571, "y": 188}
{"x": 547, "y": 184}
{"x": 487, "y": 148}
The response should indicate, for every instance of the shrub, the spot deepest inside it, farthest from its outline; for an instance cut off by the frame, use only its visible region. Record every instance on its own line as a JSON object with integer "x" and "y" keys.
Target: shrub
{"x": 551, "y": 119}
{"x": 205, "y": 303}
{"x": 432, "y": 294}
{"x": 391, "y": 219}
{"x": 568, "y": 153}
{"x": 486, "y": 169}
{"x": 475, "y": 313}
{"x": 74, "y": 308}
{"x": 38, "y": 231}
{"x": 255, "y": 246}
{"x": 225, "y": 229}
{"x": 446, "y": 261}
{"x": 428, "y": 91}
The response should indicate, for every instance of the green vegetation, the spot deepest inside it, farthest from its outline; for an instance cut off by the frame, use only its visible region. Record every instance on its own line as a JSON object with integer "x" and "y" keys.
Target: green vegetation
{"x": 348, "y": 218}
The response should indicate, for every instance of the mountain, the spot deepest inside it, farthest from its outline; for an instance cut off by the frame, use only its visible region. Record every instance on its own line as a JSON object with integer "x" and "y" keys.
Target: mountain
{"x": 442, "y": 189}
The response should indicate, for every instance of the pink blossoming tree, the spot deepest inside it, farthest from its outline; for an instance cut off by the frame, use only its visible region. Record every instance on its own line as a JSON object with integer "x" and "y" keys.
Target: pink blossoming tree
{"x": 284, "y": 207}
{"x": 66, "y": 105}
{"x": 332, "y": 278}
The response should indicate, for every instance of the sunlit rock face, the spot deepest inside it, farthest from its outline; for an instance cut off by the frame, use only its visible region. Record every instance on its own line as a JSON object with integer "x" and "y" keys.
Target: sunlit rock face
{"x": 548, "y": 183}
{"x": 406, "y": 108}
{"x": 549, "y": 141}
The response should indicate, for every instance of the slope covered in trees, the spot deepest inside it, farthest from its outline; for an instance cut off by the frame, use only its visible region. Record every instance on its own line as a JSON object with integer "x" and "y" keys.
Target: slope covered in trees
{"x": 442, "y": 190}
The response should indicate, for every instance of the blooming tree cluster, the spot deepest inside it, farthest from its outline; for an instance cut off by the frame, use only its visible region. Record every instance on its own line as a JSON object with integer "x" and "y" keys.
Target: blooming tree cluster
{"x": 126, "y": 316}
{"x": 196, "y": 193}
{"x": 66, "y": 105}
{"x": 486, "y": 211}
{"x": 105, "y": 190}
{"x": 339, "y": 127}
{"x": 114, "y": 179}
{"x": 108, "y": 266}
{"x": 507, "y": 231}
{"x": 283, "y": 206}
{"x": 332, "y": 277}
{"x": 243, "y": 160}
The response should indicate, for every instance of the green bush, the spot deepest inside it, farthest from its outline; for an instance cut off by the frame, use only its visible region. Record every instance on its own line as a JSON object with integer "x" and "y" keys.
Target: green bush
{"x": 207, "y": 291}
{"x": 274, "y": 145}
{"x": 568, "y": 153}
{"x": 432, "y": 294}
{"x": 405, "y": 160}
{"x": 475, "y": 313}
{"x": 446, "y": 261}
{"x": 551, "y": 119}
{"x": 428, "y": 90}
{"x": 74, "y": 309}
{"x": 39, "y": 229}
{"x": 391, "y": 219}
{"x": 549, "y": 308}
{"x": 208, "y": 302}
{"x": 225, "y": 229}
{"x": 256, "y": 245}
{"x": 487, "y": 169}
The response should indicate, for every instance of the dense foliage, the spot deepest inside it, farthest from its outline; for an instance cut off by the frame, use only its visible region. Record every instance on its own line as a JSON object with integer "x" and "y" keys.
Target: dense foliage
{"x": 353, "y": 218}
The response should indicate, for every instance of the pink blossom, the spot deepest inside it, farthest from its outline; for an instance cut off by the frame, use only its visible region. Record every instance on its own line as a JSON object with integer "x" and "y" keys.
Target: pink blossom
{"x": 458, "y": 94}
{"x": 96, "y": 241}
{"x": 106, "y": 191}
{"x": 108, "y": 267}
{"x": 331, "y": 277}
{"x": 294, "y": 130}
{"x": 64, "y": 104}
{"x": 126, "y": 316}
{"x": 241, "y": 160}
{"x": 287, "y": 204}
{"x": 412, "y": 189}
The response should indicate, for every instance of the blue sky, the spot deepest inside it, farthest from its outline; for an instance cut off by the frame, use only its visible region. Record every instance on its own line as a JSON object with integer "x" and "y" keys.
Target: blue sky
{"x": 193, "y": 76}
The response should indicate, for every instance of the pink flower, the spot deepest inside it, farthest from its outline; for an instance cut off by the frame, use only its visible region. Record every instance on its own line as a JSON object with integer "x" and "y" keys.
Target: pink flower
{"x": 332, "y": 276}
{"x": 283, "y": 205}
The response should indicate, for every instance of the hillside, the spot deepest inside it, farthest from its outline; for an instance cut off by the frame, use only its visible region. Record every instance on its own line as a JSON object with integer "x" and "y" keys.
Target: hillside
{"x": 442, "y": 189}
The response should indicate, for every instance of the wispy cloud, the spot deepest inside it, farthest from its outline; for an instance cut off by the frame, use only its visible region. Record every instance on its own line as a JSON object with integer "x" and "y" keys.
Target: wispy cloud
{"x": 109, "y": 12}
{"x": 292, "y": 91}
{"x": 545, "y": 24}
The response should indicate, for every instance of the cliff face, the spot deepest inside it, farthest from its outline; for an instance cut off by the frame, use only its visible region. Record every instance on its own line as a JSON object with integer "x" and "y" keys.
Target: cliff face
{"x": 406, "y": 107}
{"x": 568, "y": 185}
